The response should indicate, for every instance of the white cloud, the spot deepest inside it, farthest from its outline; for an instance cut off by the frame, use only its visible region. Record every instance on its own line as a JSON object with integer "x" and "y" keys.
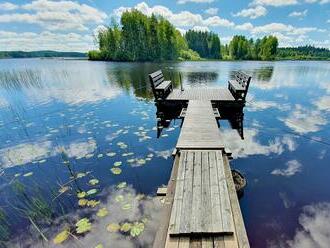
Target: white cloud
{"x": 250, "y": 145}
{"x": 323, "y": 103}
{"x": 302, "y": 120}
{"x": 245, "y": 26}
{"x": 180, "y": 19}
{"x": 194, "y": 1}
{"x": 29, "y": 41}
{"x": 293, "y": 167}
{"x": 25, "y": 153}
{"x": 298, "y": 13}
{"x": 275, "y": 3}
{"x": 252, "y": 13}
{"x": 315, "y": 227}
{"x": 7, "y": 6}
{"x": 56, "y": 15}
{"x": 201, "y": 28}
{"x": 211, "y": 11}
{"x": 80, "y": 149}
{"x": 318, "y": 1}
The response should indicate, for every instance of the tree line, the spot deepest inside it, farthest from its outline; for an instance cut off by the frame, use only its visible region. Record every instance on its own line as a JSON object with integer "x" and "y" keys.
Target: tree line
{"x": 153, "y": 38}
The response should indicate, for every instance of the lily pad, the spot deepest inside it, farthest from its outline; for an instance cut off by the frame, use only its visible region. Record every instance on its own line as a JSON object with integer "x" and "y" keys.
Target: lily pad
{"x": 63, "y": 189}
{"x": 111, "y": 154}
{"x": 121, "y": 185}
{"x": 81, "y": 194}
{"x": 119, "y": 198}
{"x": 137, "y": 229}
{"x": 91, "y": 192}
{"x": 115, "y": 170}
{"x": 82, "y": 202}
{"x": 93, "y": 203}
{"x": 126, "y": 227}
{"x": 61, "y": 237}
{"x": 102, "y": 212}
{"x": 99, "y": 246}
{"x": 93, "y": 181}
{"x": 83, "y": 226}
{"x": 126, "y": 206}
{"x": 80, "y": 175}
{"x": 113, "y": 227}
{"x": 118, "y": 163}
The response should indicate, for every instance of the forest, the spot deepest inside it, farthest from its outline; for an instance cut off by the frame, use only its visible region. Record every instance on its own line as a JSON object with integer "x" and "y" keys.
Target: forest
{"x": 142, "y": 38}
{"x": 39, "y": 54}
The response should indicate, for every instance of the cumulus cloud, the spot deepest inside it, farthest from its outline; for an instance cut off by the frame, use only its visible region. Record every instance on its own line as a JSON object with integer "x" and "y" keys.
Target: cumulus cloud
{"x": 29, "y": 41}
{"x": 251, "y": 146}
{"x": 302, "y": 120}
{"x": 194, "y": 1}
{"x": 25, "y": 153}
{"x": 318, "y": 1}
{"x": 315, "y": 227}
{"x": 293, "y": 167}
{"x": 211, "y": 11}
{"x": 323, "y": 103}
{"x": 56, "y": 15}
{"x": 80, "y": 149}
{"x": 275, "y": 3}
{"x": 8, "y": 6}
{"x": 180, "y": 19}
{"x": 252, "y": 13}
{"x": 298, "y": 13}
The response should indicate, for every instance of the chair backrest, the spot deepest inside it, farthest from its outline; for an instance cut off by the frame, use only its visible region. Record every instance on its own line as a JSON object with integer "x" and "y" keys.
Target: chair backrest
{"x": 243, "y": 79}
{"x": 156, "y": 78}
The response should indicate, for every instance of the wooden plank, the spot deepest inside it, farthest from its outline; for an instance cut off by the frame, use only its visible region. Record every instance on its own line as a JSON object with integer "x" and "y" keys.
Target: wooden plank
{"x": 205, "y": 216}
{"x": 217, "y": 225}
{"x": 207, "y": 94}
{"x": 184, "y": 242}
{"x": 207, "y": 242}
{"x": 197, "y": 193}
{"x": 240, "y": 231}
{"x": 178, "y": 196}
{"x": 226, "y": 211}
{"x": 187, "y": 197}
{"x": 218, "y": 242}
{"x": 161, "y": 191}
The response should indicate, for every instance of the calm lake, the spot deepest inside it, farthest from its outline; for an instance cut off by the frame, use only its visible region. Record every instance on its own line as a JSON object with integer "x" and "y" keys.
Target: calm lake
{"x": 79, "y": 140}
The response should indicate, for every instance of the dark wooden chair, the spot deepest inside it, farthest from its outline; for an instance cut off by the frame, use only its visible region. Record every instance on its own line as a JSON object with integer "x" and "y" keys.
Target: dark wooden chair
{"x": 239, "y": 85}
{"x": 160, "y": 87}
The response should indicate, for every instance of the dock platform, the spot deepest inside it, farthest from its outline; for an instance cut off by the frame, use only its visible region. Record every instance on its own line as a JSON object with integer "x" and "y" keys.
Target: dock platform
{"x": 204, "y": 94}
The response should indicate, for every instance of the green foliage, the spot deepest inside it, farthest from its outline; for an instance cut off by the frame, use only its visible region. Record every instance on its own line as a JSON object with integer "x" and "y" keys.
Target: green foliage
{"x": 240, "y": 48}
{"x": 206, "y": 44}
{"x": 140, "y": 38}
{"x": 39, "y": 54}
{"x": 189, "y": 55}
{"x": 303, "y": 53}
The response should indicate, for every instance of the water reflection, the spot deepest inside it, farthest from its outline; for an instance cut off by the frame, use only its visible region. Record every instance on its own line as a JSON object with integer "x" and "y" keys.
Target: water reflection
{"x": 65, "y": 126}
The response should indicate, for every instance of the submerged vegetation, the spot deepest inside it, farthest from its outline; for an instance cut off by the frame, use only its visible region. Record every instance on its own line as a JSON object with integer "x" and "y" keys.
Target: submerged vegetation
{"x": 143, "y": 38}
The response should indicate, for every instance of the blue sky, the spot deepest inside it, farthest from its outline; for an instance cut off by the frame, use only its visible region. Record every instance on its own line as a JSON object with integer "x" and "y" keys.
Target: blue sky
{"x": 70, "y": 25}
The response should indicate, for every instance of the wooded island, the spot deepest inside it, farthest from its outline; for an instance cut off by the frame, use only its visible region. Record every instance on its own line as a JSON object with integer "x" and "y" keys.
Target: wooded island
{"x": 144, "y": 38}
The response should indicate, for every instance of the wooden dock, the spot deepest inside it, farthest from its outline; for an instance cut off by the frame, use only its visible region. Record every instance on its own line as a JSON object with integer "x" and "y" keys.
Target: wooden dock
{"x": 201, "y": 204}
{"x": 202, "y": 208}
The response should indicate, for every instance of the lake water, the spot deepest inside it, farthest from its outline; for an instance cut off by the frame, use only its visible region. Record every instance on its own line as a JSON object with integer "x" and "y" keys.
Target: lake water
{"x": 73, "y": 131}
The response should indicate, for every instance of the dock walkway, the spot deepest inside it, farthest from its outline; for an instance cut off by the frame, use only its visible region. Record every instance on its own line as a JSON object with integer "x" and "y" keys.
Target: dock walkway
{"x": 202, "y": 208}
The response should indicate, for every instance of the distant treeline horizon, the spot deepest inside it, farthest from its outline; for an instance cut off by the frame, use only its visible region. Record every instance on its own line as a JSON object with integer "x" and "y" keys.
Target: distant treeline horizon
{"x": 40, "y": 54}
{"x": 153, "y": 38}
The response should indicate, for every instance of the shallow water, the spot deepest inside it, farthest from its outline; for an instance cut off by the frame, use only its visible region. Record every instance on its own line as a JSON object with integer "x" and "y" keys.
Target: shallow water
{"x": 66, "y": 122}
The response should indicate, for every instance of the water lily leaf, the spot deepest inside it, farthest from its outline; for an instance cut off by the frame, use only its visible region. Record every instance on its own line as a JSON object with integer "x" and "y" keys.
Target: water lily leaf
{"x": 91, "y": 191}
{"x": 100, "y": 155}
{"x": 119, "y": 198}
{"x": 118, "y": 163}
{"x": 102, "y": 212}
{"x": 80, "y": 175}
{"x": 42, "y": 161}
{"x": 116, "y": 171}
{"x": 83, "y": 226}
{"x": 121, "y": 185}
{"x": 82, "y": 202}
{"x": 131, "y": 160}
{"x": 93, "y": 203}
{"x": 61, "y": 237}
{"x": 137, "y": 229}
{"x": 93, "y": 181}
{"x": 28, "y": 174}
{"x": 81, "y": 194}
{"x": 126, "y": 227}
{"x": 99, "y": 246}
{"x": 17, "y": 174}
{"x": 89, "y": 156}
{"x": 141, "y": 161}
{"x": 111, "y": 154}
{"x": 139, "y": 197}
{"x": 113, "y": 227}
{"x": 150, "y": 155}
{"x": 126, "y": 206}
